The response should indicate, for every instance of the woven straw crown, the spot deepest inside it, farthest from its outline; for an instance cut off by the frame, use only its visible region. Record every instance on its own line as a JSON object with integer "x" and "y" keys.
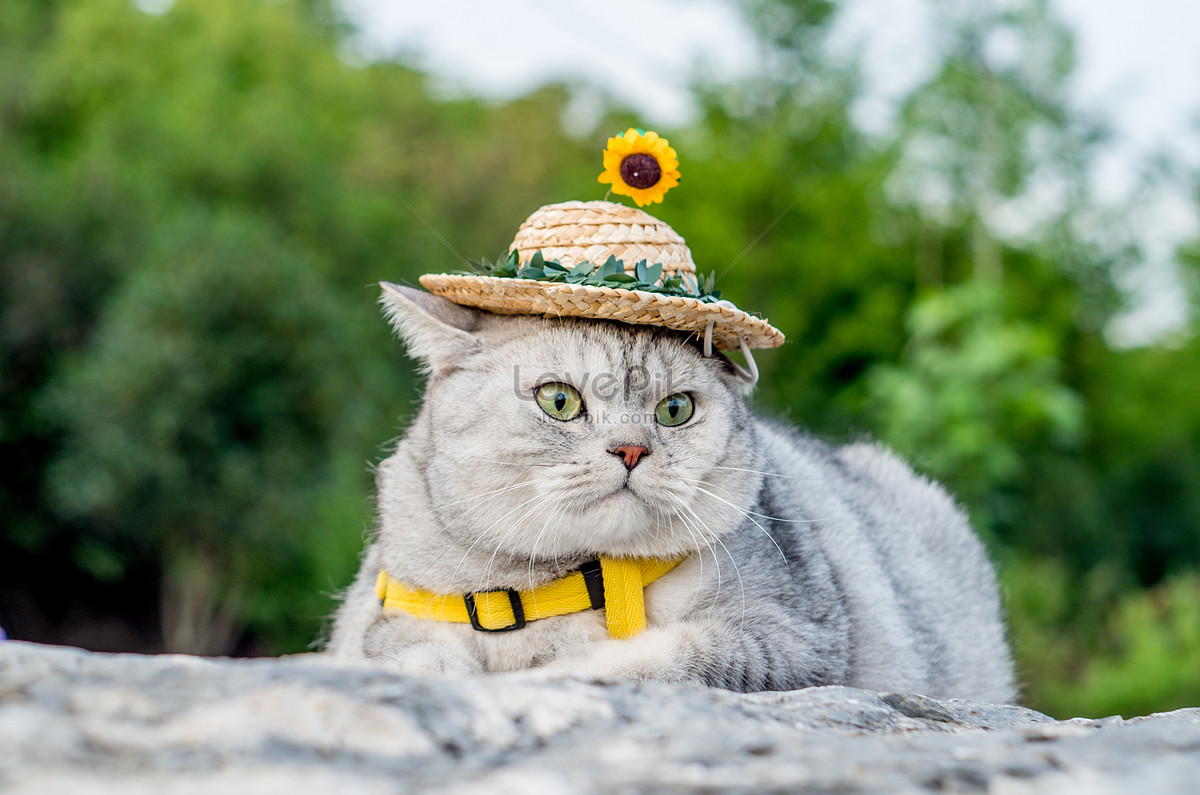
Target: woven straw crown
{"x": 575, "y": 232}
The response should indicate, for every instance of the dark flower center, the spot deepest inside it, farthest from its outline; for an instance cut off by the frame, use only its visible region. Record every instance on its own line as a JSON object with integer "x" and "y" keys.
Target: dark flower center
{"x": 640, "y": 171}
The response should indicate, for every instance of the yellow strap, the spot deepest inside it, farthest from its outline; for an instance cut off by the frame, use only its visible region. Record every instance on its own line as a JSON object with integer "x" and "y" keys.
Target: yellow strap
{"x": 624, "y": 601}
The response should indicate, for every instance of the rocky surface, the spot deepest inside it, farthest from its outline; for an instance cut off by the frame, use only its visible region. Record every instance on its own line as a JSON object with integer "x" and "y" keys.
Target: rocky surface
{"x": 73, "y": 721}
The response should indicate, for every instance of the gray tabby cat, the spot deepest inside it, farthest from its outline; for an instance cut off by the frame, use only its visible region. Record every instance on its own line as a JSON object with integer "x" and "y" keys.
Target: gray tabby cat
{"x": 806, "y": 564}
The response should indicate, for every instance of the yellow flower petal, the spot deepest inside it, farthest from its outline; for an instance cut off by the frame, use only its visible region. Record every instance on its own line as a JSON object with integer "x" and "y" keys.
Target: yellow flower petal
{"x": 619, "y": 146}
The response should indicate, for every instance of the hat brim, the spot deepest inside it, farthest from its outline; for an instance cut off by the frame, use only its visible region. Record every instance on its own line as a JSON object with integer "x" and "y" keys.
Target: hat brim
{"x": 509, "y": 296}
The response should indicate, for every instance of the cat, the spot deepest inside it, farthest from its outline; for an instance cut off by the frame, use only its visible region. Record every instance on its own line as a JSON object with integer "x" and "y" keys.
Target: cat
{"x": 803, "y": 564}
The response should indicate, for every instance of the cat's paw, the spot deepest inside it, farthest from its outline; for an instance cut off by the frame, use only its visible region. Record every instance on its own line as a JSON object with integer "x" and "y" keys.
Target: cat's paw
{"x": 404, "y": 646}
{"x": 543, "y": 674}
{"x": 428, "y": 658}
{"x": 655, "y": 654}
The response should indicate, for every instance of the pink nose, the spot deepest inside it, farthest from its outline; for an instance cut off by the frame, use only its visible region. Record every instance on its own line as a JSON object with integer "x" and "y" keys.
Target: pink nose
{"x": 630, "y": 454}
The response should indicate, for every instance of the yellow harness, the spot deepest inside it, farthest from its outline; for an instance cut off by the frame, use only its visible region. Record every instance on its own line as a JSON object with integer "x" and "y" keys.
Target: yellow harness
{"x": 617, "y": 585}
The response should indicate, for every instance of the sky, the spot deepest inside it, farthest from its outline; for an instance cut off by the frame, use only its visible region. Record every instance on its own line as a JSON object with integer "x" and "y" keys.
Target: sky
{"x": 1138, "y": 60}
{"x": 1138, "y": 66}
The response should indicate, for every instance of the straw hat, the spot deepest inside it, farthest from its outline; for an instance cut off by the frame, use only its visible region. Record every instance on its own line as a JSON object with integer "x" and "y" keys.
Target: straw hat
{"x": 598, "y": 239}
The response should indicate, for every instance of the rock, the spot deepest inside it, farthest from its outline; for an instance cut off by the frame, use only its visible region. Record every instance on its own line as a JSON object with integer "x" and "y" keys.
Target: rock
{"x": 78, "y": 722}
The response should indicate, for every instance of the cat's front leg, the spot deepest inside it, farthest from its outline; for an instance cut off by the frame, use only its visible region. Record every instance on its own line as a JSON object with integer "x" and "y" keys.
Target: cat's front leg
{"x": 672, "y": 653}
{"x": 410, "y": 648}
{"x": 737, "y": 655}
{"x": 662, "y": 654}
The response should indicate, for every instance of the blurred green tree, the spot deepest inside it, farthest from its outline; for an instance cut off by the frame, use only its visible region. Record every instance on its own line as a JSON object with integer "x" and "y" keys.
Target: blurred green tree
{"x": 215, "y": 421}
{"x": 990, "y": 141}
{"x": 974, "y": 391}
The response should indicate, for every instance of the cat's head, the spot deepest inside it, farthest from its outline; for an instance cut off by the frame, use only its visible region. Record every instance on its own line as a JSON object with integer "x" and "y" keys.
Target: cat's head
{"x": 545, "y": 438}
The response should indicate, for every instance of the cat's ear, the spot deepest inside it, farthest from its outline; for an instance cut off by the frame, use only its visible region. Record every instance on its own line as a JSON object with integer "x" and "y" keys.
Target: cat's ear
{"x": 435, "y": 330}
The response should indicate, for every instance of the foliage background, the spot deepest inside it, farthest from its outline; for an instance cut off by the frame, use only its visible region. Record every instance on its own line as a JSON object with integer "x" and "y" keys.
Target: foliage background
{"x": 194, "y": 381}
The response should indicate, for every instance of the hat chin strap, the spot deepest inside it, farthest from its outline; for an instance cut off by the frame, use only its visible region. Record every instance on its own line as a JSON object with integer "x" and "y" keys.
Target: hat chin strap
{"x": 750, "y": 376}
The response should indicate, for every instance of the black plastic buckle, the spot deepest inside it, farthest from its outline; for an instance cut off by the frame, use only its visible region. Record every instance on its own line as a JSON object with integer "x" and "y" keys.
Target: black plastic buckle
{"x": 593, "y": 578}
{"x": 514, "y": 599}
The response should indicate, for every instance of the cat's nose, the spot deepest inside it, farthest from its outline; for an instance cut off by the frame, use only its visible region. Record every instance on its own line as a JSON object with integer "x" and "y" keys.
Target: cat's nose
{"x": 630, "y": 454}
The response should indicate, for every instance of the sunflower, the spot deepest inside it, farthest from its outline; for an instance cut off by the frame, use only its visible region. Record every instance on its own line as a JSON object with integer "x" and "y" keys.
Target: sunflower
{"x": 641, "y": 165}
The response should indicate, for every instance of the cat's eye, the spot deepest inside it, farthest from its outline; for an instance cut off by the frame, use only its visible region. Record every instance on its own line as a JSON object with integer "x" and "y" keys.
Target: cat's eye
{"x": 674, "y": 409}
{"x": 560, "y": 401}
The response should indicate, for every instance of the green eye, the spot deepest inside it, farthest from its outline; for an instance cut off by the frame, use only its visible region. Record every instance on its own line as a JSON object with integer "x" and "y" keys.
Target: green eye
{"x": 674, "y": 409}
{"x": 560, "y": 401}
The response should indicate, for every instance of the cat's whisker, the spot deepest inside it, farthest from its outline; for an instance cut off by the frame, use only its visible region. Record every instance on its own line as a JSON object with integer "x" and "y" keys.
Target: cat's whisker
{"x": 700, "y": 550}
{"x": 697, "y": 535}
{"x": 736, "y": 569}
{"x": 533, "y": 559}
{"x": 515, "y": 525}
{"x": 696, "y": 484}
{"x": 483, "y": 533}
{"x": 747, "y": 514}
{"x": 693, "y": 533}
{"x": 744, "y": 512}
{"x": 521, "y": 463}
{"x": 559, "y": 510}
{"x": 779, "y": 576}
{"x": 513, "y": 528}
{"x": 755, "y": 472}
{"x": 697, "y": 546}
{"x": 741, "y": 583}
{"x": 519, "y": 525}
{"x": 499, "y": 545}
{"x": 474, "y": 500}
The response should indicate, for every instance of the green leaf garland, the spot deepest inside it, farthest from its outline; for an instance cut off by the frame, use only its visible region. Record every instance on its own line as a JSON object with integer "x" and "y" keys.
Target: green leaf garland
{"x": 611, "y": 273}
